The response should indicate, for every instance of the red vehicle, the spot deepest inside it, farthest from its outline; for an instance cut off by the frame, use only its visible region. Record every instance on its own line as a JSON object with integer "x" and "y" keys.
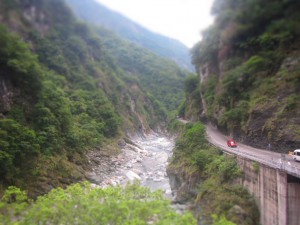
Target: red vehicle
{"x": 231, "y": 143}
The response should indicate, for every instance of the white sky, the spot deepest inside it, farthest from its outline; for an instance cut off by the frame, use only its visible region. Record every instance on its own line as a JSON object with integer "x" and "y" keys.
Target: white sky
{"x": 179, "y": 19}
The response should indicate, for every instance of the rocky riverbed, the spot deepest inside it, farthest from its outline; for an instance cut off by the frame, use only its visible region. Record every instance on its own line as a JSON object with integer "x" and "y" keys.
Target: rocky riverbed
{"x": 144, "y": 159}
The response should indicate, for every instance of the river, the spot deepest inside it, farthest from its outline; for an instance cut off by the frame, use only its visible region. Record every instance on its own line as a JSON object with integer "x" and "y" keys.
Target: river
{"x": 145, "y": 159}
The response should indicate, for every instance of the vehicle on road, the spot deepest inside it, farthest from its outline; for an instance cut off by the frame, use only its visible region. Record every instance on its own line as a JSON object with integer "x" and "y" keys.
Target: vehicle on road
{"x": 231, "y": 143}
{"x": 296, "y": 155}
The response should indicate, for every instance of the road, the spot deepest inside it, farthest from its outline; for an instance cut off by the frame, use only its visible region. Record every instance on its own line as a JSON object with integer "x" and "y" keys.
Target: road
{"x": 273, "y": 159}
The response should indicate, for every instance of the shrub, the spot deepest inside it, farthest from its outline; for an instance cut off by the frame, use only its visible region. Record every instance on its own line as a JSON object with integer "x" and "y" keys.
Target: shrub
{"x": 255, "y": 166}
{"x": 195, "y": 135}
{"x": 221, "y": 220}
{"x": 82, "y": 204}
{"x": 17, "y": 144}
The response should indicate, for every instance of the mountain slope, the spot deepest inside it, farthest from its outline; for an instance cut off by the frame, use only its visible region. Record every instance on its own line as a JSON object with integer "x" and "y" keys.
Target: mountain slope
{"x": 160, "y": 77}
{"x": 63, "y": 93}
{"x": 97, "y": 14}
{"x": 249, "y": 69}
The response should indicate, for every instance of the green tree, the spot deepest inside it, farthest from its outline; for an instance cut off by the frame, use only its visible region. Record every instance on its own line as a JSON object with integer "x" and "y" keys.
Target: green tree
{"x": 17, "y": 144}
{"x": 83, "y": 204}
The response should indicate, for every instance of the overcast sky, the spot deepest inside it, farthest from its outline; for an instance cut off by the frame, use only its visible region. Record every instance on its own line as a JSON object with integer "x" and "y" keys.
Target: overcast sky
{"x": 179, "y": 19}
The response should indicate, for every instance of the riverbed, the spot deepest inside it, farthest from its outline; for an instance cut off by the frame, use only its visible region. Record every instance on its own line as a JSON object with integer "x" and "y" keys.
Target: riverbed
{"x": 145, "y": 159}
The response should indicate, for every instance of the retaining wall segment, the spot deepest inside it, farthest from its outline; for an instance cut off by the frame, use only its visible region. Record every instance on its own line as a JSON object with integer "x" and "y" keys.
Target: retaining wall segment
{"x": 277, "y": 199}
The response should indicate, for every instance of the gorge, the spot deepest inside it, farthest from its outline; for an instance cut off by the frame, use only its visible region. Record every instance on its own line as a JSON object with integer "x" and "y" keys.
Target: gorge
{"x": 79, "y": 102}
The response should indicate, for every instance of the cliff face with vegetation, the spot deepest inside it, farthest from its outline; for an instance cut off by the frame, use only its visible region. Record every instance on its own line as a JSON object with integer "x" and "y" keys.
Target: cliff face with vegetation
{"x": 63, "y": 92}
{"x": 249, "y": 72}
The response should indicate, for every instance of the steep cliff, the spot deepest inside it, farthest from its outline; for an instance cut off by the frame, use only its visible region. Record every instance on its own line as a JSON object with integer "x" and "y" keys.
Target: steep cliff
{"x": 249, "y": 72}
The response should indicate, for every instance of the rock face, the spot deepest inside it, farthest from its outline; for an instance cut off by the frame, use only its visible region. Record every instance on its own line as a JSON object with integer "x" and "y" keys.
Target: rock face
{"x": 6, "y": 95}
{"x": 270, "y": 113}
{"x": 185, "y": 188}
{"x": 249, "y": 72}
{"x": 277, "y": 120}
{"x": 237, "y": 213}
{"x": 183, "y": 184}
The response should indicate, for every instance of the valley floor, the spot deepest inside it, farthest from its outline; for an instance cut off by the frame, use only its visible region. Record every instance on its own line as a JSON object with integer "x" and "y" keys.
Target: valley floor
{"x": 145, "y": 160}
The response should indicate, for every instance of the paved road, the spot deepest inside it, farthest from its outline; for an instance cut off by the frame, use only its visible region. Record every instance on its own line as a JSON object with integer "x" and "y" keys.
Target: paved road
{"x": 273, "y": 159}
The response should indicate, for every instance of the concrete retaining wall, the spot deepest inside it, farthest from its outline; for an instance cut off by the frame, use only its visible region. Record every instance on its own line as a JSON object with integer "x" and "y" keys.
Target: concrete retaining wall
{"x": 277, "y": 199}
{"x": 293, "y": 204}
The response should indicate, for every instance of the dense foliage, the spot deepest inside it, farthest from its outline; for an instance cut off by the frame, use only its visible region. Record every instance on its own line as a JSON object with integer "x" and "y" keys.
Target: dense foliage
{"x": 64, "y": 91}
{"x": 251, "y": 56}
{"x": 190, "y": 107}
{"x": 160, "y": 77}
{"x": 55, "y": 123}
{"x": 83, "y": 204}
{"x": 217, "y": 193}
{"x": 138, "y": 55}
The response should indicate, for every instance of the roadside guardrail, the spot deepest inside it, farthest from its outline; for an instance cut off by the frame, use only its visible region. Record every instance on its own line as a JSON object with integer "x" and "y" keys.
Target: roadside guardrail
{"x": 281, "y": 163}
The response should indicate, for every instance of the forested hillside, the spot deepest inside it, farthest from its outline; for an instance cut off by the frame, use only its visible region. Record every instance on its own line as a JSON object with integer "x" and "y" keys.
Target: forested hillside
{"x": 63, "y": 93}
{"x": 249, "y": 72}
{"x": 158, "y": 76}
{"x": 97, "y": 14}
